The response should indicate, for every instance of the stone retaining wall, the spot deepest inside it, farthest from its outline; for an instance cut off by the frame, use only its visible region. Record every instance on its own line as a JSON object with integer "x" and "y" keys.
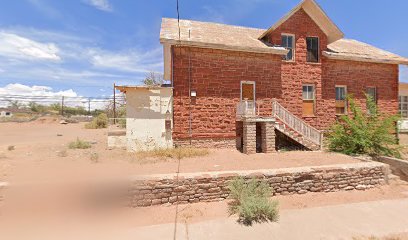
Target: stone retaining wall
{"x": 212, "y": 186}
{"x": 398, "y": 167}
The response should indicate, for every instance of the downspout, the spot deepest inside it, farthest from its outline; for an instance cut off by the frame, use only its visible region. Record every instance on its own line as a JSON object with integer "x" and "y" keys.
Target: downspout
{"x": 189, "y": 90}
{"x": 172, "y": 90}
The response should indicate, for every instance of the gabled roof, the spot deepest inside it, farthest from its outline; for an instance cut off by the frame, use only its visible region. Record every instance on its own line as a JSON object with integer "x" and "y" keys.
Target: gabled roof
{"x": 349, "y": 49}
{"x": 317, "y": 14}
{"x": 215, "y": 35}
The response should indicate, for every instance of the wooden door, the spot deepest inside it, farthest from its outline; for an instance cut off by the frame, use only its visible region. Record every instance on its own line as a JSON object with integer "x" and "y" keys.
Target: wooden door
{"x": 248, "y": 91}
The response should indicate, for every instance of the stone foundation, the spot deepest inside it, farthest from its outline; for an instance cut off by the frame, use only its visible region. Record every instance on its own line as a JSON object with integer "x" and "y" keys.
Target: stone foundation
{"x": 212, "y": 186}
{"x": 206, "y": 143}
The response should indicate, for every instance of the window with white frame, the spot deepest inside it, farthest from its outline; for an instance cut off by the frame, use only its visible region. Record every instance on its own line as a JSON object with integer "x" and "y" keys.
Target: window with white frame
{"x": 308, "y": 100}
{"x": 341, "y": 103}
{"x": 288, "y": 42}
{"x": 403, "y": 106}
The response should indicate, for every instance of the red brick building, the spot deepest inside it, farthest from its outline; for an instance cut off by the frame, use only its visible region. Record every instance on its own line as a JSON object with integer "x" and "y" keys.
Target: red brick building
{"x": 303, "y": 63}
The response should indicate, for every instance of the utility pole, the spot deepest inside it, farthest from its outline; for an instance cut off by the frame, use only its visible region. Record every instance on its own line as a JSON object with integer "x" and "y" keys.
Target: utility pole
{"x": 89, "y": 106}
{"x": 62, "y": 106}
{"x": 114, "y": 103}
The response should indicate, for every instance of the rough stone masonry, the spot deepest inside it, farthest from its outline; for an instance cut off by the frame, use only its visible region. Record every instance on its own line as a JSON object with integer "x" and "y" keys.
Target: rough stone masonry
{"x": 213, "y": 186}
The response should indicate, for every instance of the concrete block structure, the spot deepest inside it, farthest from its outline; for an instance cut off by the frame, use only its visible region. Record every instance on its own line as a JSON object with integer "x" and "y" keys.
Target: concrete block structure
{"x": 148, "y": 117}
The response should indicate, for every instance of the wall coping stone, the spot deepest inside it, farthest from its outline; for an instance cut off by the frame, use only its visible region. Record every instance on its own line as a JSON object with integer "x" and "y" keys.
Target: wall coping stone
{"x": 264, "y": 172}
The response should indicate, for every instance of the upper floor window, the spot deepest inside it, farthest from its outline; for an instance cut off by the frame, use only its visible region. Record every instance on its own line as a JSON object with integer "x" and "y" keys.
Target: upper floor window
{"x": 288, "y": 42}
{"x": 312, "y": 49}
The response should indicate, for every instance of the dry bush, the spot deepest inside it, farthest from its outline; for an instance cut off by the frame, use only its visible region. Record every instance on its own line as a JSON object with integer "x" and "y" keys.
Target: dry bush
{"x": 62, "y": 153}
{"x": 79, "y": 144}
{"x": 11, "y": 147}
{"x": 175, "y": 153}
{"x": 250, "y": 201}
{"x": 101, "y": 121}
{"x": 94, "y": 157}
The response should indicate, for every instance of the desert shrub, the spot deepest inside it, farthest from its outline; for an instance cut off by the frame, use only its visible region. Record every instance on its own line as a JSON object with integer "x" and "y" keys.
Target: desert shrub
{"x": 62, "y": 153}
{"x": 251, "y": 202}
{"x": 364, "y": 132}
{"x": 94, "y": 157}
{"x": 122, "y": 123}
{"x": 101, "y": 121}
{"x": 176, "y": 153}
{"x": 79, "y": 144}
{"x": 11, "y": 148}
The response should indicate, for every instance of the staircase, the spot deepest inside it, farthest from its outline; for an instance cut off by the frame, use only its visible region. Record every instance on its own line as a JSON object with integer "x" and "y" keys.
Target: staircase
{"x": 296, "y": 128}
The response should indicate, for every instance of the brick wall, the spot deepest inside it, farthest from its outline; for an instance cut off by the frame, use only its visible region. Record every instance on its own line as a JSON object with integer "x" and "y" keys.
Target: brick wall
{"x": 212, "y": 186}
{"x": 216, "y": 76}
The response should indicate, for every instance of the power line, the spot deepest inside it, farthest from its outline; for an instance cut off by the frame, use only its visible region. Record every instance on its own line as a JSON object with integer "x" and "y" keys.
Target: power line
{"x": 55, "y": 97}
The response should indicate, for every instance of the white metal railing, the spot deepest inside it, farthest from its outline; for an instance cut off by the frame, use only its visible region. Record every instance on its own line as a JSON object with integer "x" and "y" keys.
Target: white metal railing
{"x": 246, "y": 108}
{"x": 297, "y": 124}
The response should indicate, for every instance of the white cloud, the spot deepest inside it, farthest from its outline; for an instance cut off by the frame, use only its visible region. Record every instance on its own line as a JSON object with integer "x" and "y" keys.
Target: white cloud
{"x": 102, "y": 5}
{"x": 45, "y": 8}
{"x": 129, "y": 61}
{"x": 17, "y": 47}
{"x": 46, "y": 96}
{"x": 29, "y": 91}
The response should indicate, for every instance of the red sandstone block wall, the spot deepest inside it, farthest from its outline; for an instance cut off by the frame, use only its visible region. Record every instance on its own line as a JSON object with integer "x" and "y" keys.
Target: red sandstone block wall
{"x": 216, "y": 75}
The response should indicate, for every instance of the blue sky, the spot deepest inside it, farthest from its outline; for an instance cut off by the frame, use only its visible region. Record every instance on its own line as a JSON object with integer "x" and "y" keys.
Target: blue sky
{"x": 86, "y": 45}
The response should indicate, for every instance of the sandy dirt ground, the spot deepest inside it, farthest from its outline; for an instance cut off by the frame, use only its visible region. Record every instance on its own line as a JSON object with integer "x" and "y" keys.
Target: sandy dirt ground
{"x": 38, "y": 146}
{"x": 106, "y": 221}
{"x": 41, "y": 148}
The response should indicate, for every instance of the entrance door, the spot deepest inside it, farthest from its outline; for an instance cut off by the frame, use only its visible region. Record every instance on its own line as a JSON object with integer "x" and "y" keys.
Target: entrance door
{"x": 247, "y": 91}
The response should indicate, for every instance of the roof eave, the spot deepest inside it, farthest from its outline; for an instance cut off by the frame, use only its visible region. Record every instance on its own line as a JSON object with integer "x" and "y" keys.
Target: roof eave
{"x": 333, "y": 32}
{"x": 271, "y": 50}
{"x": 125, "y": 88}
{"x": 337, "y": 56}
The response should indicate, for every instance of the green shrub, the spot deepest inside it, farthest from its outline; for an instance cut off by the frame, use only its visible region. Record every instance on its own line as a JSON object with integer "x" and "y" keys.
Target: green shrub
{"x": 364, "y": 132}
{"x": 251, "y": 201}
{"x": 101, "y": 121}
{"x": 79, "y": 144}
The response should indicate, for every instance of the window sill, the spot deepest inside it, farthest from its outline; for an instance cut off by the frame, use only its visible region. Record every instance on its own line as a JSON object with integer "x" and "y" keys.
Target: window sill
{"x": 313, "y": 63}
{"x": 288, "y": 61}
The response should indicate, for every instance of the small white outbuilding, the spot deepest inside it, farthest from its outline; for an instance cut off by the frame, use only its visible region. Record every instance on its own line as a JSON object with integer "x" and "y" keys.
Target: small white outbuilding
{"x": 149, "y": 117}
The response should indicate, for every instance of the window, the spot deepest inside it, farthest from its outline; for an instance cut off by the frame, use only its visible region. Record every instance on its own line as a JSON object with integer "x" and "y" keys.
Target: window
{"x": 308, "y": 100}
{"x": 403, "y": 106}
{"x": 288, "y": 42}
{"x": 341, "y": 103}
{"x": 312, "y": 49}
{"x": 372, "y": 93}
